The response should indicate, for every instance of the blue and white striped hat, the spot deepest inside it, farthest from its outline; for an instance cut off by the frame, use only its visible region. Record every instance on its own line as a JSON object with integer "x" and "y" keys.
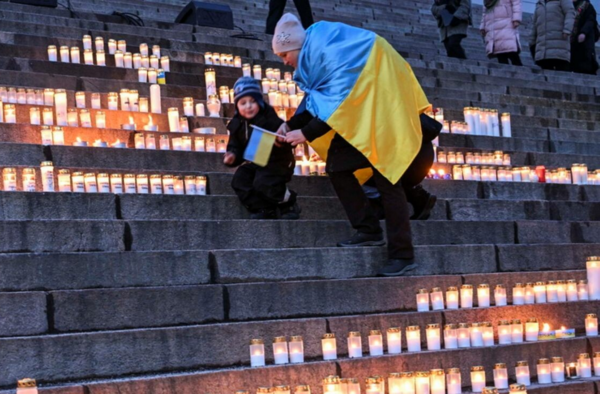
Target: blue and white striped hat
{"x": 247, "y": 86}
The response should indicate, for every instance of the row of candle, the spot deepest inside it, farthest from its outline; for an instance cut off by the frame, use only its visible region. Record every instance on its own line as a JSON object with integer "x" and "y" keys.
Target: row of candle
{"x": 522, "y": 294}
{"x": 524, "y": 174}
{"x": 270, "y": 73}
{"x": 478, "y": 121}
{"x": 278, "y": 85}
{"x": 80, "y": 182}
{"x": 456, "y": 336}
{"x": 498, "y": 158}
{"x": 122, "y": 59}
{"x": 438, "y": 381}
{"x": 278, "y": 99}
{"x": 310, "y": 168}
{"x": 222, "y": 59}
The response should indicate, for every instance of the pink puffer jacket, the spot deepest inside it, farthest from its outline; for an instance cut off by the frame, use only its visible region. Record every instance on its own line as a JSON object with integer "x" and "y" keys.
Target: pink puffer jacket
{"x": 500, "y": 35}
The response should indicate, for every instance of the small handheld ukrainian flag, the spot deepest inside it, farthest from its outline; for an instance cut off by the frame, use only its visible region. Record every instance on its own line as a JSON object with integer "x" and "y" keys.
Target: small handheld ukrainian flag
{"x": 260, "y": 146}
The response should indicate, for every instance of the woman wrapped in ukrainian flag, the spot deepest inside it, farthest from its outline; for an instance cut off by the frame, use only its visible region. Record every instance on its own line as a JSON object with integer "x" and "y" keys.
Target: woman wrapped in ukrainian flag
{"x": 361, "y": 114}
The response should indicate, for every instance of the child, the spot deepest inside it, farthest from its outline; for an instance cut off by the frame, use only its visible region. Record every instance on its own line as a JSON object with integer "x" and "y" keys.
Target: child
{"x": 262, "y": 190}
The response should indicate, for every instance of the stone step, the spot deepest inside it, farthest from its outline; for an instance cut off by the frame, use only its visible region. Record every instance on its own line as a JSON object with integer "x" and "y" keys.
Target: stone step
{"x": 213, "y": 346}
{"x": 73, "y": 271}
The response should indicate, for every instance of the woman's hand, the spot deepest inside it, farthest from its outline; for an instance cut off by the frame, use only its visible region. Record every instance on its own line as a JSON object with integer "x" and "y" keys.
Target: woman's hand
{"x": 295, "y": 137}
{"x": 516, "y": 24}
{"x": 581, "y": 38}
{"x": 229, "y": 158}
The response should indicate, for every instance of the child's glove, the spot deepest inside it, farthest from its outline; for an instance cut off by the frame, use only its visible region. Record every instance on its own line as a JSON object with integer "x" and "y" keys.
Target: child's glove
{"x": 229, "y": 158}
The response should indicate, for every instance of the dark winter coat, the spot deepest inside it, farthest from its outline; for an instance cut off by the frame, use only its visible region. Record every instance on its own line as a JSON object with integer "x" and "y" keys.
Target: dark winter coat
{"x": 583, "y": 55}
{"x": 552, "y": 19}
{"x": 462, "y": 14}
{"x": 240, "y": 130}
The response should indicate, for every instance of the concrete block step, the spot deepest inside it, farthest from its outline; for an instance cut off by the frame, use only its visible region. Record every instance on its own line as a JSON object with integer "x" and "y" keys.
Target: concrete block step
{"x": 126, "y": 352}
{"x": 245, "y": 265}
{"x": 88, "y": 270}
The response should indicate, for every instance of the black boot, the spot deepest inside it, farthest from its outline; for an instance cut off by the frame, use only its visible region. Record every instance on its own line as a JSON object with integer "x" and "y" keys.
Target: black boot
{"x": 422, "y": 202}
{"x": 290, "y": 212}
{"x": 397, "y": 267}
{"x": 362, "y": 239}
{"x": 265, "y": 214}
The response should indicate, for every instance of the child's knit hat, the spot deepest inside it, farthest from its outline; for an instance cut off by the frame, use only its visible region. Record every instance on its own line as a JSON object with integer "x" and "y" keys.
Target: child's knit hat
{"x": 248, "y": 86}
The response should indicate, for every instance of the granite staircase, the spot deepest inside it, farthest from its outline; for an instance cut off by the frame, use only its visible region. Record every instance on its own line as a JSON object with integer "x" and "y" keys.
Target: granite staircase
{"x": 131, "y": 293}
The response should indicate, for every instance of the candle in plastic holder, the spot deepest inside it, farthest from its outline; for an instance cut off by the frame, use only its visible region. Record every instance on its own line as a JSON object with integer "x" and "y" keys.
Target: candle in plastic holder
{"x": 552, "y": 292}
{"x": 296, "y": 349}
{"x": 142, "y": 184}
{"x": 34, "y": 116}
{"x": 214, "y": 106}
{"x": 9, "y": 179}
{"x": 165, "y": 64}
{"x": 72, "y": 117}
{"x": 476, "y": 334}
{"x": 184, "y": 126}
{"x": 329, "y": 347}
{"x": 518, "y": 294}
{"x": 145, "y": 62}
{"x": 532, "y": 329}
{"x": 597, "y": 364}
{"x": 122, "y": 46}
{"x": 483, "y": 296}
{"x": 103, "y": 181}
{"x": 464, "y": 335}
{"x": 466, "y": 296}
{"x": 257, "y": 72}
{"x": 246, "y": 70}
{"x": 28, "y": 180}
{"x": 200, "y": 110}
{"x": 78, "y": 182}
{"x": 487, "y": 331}
{"x": 517, "y": 389}
{"x": 155, "y": 99}
{"x": 453, "y": 381}
{"x": 257, "y": 353}
{"x": 52, "y": 53}
{"x": 88, "y": 57}
{"x": 152, "y": 75}
{"x": 500, "y": 295}
{"x": 174, "y": 120}
{"x": 151, "y": 141}
{"x": 65, "y": 54}
{"x": 394, "y": 340}
{"x": 516, "y": 331}
{"x": 211, "y": 82}
{"x": 529, "y": 293}
{"x": 91, "y": 183}
{"x": 211, "y": 146}
{"x": 100, "y": 120}
{"x": 452, "y": 299}
{"x": 591, "y": 325}
{"x": 199, "y": 144}
{"x": 540, "y": 292}
{"x": 522, "y": 373}
{"x": 504, "y": 332}
{"x": 64, "y": 181}
{"x": 21, "y": 96}
{"x": 354, "y": 344}
{"x": 490, "y": 390}
{"x": 558, "y": 370}
{"x": 422, "y": 382}
{"x": 331, "y": 385}
{"x": 422, "y": 300}
{"x": 593, "y": 274}
{"x": 501, "y": 376}
{"x": 85, "y": 118}
{"x": 128, "y": 60}
{"x": 478, "y": 379}
{"x": 130, "y": 184}
{"x": 451, "y": 336}
{"x": 582, "y": 290}
{"x": 188, "y": 106}
{"x": 156, "y": 184}
{"x": 561, "y": 290}
{"x": 437, "y": 299}
{"x": 584, "y": 365}
{"x": 177, "y": 143}
{"x": 375, "y": 343}
{"x": 394, "y": 383}
{"x": 58, "y": 136}
{"x": 433, "y": 337}
{"x": 413, "y": 338}
{"x": 280, "y": 350}
{"x": 190, "y": 189}
{"x": 10, "y": 113}
{"x": 137, "y": 61}
{"x": 139, "y": 141}
{"x": 544, "y": 371}
{"x": 119, "y": 60}
{"x": 156, "y": 50}
{"x": 154, "y": 62}
{"x": 143, "y": 104}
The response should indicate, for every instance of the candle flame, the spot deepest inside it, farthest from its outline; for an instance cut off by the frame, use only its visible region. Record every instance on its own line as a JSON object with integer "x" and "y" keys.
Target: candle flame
{"x": 441, "y": 172}
{"x": 131, "y": 120}
{"x": 97, "y": 141}
{"x": 78, "y": 139}
{"x": 150, "y": 120}
{"x": 546, "y": 327}
{"x": 563, "y": 328}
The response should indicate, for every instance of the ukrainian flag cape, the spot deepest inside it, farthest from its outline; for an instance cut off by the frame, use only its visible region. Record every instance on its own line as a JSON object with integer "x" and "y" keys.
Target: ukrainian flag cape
{"x": 356, "y": 82}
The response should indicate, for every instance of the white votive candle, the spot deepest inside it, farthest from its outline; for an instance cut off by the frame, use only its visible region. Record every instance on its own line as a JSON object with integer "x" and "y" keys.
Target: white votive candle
{"x": 329, "y": 347}
{"x": 477, "y": 379}
{"x": 591, "y": 325}
{"x": 257, "y": 353}
{"x": 522, "y": 373}
{"x": 544, "y": 371}
{"x": 501, "y": 376}
{"x": 452, "y": 297}
{"x": 394, "y": 340}
{"x": 423, "y": 300}
{"x": 451, "y": 336}
{"x": 483, "y": 295}
{"x": 558, "y": 370}
{"x": 433, "y": 337}
{"x": 354, "y": 344}
{"x": 280, "y": 350}
{"x": 296, "y": 349}
{"x": 413, "y": 338}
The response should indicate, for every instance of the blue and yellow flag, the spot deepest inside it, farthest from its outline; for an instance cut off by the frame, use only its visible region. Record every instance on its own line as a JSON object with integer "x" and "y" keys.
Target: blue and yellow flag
{"x": 360, "y": 85}
{"x": 260, "y": 146}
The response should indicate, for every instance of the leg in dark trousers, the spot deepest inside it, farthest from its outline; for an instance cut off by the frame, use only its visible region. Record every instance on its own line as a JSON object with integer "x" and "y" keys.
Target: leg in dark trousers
{"x": 355, "y": 202}
{"x": 453, "y": 47}
{"x": 257, "y": 188}
{"x": 554, "y": 64}
{"x": 277, "y": 8}
{"x": 515, "y": 59}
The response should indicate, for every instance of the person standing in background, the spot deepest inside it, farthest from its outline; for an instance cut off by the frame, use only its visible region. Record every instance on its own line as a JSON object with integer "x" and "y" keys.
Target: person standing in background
{"x": 277, "y": 7}
{"x": 550, "y": 43}
{"x": 500, "y": 29}
{"x": 454, "y": 18}
{"x": 584, "y": 37}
